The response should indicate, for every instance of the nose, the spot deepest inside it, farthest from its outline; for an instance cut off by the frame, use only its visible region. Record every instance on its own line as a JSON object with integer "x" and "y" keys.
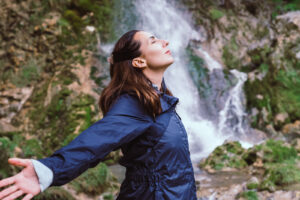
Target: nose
{"x": 165, "y": 43}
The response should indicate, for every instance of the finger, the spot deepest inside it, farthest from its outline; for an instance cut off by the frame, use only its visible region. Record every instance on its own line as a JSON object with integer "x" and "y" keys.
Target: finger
{"x": 28, "y": 197}
{"x": 14, "y": 195}
{"x": 7, "y": 181}
{"x": 7, "y": 191}
{"x": 19, "y": 162}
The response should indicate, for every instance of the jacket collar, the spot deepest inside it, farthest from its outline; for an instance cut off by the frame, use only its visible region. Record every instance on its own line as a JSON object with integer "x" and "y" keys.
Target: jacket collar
{"x": 166, "y": 100}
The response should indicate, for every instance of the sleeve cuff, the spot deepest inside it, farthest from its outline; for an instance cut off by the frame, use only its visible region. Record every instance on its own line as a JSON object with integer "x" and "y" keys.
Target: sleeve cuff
{"x": 44, "y": 173}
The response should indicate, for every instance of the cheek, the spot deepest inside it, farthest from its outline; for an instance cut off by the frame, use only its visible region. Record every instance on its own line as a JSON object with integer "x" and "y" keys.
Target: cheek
{"x": 156, "y": 58}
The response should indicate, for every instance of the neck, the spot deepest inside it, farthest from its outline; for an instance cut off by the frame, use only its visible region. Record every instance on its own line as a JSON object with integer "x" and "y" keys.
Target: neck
{"x": 155, "y": 77}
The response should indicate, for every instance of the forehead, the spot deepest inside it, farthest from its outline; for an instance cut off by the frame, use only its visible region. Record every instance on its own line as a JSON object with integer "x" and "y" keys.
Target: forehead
{"x": 143, "y": 36}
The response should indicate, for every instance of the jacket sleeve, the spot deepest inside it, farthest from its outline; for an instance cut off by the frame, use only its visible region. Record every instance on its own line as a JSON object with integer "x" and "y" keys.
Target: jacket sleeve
{"x": 125, "y": 121}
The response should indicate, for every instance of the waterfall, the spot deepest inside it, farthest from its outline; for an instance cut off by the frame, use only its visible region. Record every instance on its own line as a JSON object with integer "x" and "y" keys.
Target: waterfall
{"x": 164, "y": 20}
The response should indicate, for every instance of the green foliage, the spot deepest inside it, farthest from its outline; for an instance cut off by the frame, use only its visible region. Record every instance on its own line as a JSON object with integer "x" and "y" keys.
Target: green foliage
{"x": 279, "y": 86}
{"x": 95, "y": 180}
{"x": 80, "y": 13}
{"x": 264, "y": 68}
{"x": 66, "y": 77}
{"x": 289, "y": 91}
{"x": 108, "y": 197}
{"x": 6, "y": 151}
{"x": 216, "y": 13}
{"x": 280, "y": 174}
{"x": 73, "y": 18}
{"x": 28, "y": 73}
{"x": 32, "y": 148}
{"x": 282, "y": 6}
{"x": 276, "y": 152}
{"x": 281, "y": 165}
{"x": 58, "y": 121}
{"x": 228, "y": 55}
{"x": 98, "y": 79}
{"x": 261, "y": 31}
{"x": 252, "y": 186}
{"x": 249, "y": 195}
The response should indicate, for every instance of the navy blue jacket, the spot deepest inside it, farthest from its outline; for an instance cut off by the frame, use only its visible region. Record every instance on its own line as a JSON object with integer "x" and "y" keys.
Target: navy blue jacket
{"x": 155, "y": 151}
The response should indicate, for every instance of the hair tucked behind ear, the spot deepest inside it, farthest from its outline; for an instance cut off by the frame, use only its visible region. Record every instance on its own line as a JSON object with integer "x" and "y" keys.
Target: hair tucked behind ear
{"x": 129, "y": 79}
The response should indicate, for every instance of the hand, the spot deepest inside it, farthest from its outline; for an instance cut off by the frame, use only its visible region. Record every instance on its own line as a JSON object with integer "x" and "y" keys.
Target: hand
{"x": 25, "y": 182}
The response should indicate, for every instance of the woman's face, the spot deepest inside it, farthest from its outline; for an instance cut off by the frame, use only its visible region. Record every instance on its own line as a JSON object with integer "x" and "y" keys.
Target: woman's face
{"x": 154, "y": 51}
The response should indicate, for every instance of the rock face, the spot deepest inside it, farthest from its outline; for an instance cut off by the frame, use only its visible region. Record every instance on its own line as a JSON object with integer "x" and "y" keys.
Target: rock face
{"x": 51, "y": 76}
{"x": 270, "y": 169}
{"x": 12, "y": 101}
{"x": 260, "y": 38}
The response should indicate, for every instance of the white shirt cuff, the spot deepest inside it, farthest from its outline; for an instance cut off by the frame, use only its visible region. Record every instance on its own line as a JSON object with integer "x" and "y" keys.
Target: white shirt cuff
{"x": 44, "y": 173}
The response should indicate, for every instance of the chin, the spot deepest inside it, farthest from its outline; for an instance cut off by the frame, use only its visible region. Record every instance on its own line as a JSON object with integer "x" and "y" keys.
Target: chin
{"x": 171, "y": 61}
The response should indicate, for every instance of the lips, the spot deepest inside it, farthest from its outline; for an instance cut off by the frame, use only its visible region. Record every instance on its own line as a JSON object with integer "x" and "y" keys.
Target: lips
{"x": 168, "y": 52}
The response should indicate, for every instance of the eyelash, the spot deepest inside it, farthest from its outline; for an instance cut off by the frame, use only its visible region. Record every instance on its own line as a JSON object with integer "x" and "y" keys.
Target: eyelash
{"x": 153, "y": 41}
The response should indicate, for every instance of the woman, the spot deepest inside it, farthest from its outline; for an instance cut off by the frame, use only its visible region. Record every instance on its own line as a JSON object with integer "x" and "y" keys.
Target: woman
{"x": 139, "y": 117}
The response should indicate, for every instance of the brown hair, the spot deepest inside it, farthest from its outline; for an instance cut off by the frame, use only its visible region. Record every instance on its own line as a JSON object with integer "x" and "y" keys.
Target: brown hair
{"x": 129, "y": 79}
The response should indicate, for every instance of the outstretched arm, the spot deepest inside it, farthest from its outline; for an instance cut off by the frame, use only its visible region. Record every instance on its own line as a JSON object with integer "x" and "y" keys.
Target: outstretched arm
{"x": 124, "y": 122}
{"x": 93, "y": 144}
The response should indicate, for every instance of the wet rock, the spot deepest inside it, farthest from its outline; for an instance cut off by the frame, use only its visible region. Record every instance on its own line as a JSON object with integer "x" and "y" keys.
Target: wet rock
{"x": 281, "y": 118}
{"x": 292, "y": 17}
{"x": 224, "y": 156}
{"x": 270, "y": 130}
{"x": 12, "y": 101}
{"x": 292, "y": 129}
{"x": 283, "y": 195}
{"x": 296, "y": 144}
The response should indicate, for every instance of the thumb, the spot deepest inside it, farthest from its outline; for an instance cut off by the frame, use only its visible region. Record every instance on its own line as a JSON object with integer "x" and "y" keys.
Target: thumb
{"x": 19, "y": 162}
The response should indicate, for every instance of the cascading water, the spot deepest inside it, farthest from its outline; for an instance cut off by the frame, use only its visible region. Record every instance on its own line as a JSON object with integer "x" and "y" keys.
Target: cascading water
{"x": 162, "y": 19}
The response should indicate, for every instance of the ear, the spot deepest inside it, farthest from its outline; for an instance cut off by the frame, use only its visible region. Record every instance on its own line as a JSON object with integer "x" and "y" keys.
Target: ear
{"x": 139, "y": 63}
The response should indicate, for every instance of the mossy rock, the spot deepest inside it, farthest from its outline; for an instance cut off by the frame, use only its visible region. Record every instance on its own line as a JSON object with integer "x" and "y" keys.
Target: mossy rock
{"x": 226, "y": 155}
{"x": 95, "y": 181}
{"x": 282, "y": 174}
{"x": 267, "y": 185}
{"x": 229, "y": 55}
{"x": 198, "y": 72}
{"x": 251, "y": 186}
{"x": 57, "y": 122}
{"x": 275, "y": 151}
{"x": 56, "y": 193}
{"x": 216, "y": 13}
{"x": 279, "y": 86}
{"x": 66, "y": 77}
{"x": 80, "y": 13}
{"x": 248, "y": 195}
